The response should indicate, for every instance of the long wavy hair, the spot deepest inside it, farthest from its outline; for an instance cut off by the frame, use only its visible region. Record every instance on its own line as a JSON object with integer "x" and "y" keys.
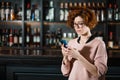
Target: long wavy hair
{"x": 88, "y": 16}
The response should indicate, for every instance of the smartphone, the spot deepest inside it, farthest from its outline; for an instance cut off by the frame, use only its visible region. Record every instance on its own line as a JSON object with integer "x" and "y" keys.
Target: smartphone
{"x": 64, "y": 42}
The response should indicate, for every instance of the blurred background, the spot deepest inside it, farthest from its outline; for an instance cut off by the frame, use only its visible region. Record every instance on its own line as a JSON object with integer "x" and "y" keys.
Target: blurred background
{"x": 31, "y": 31}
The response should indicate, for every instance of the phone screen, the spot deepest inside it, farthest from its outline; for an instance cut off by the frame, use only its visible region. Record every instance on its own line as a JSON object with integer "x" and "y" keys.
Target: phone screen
{"x": 64, "y": 42}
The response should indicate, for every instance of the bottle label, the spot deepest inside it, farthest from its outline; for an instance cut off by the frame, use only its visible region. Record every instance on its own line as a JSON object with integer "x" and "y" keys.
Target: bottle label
{"x": 34, "y": 39}
{"x": 38, "y": 39}
{"x": 110, "y": 44}
{"x": 15, "y": 39}
{"x": 27, "y": 39}
{"x": 20, "y": 40}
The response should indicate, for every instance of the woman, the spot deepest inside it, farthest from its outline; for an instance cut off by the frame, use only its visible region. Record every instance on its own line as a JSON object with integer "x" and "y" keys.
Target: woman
{"x": 85, "y": 57}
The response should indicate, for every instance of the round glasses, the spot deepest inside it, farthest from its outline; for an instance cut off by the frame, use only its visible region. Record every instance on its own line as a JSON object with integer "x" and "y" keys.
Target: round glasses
{"x": 79, "y": 25}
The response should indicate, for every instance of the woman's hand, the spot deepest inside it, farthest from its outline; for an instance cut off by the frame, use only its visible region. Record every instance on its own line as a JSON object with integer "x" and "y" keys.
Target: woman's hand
{"x": 65, "y": 54}
{"x": 64, "y": 50}
{"x": 69, "y": 51}
{"x": 74, "y": 53}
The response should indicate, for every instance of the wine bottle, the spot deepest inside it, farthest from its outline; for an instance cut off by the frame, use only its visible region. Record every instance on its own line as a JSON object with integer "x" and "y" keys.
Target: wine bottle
{"x": 37, "y": 13}
{"x": 20, "y": 38}
{"x": 28, "y": 32}
{"x": 102, "y": 13}
{"x": 38, "y": 37}
{"x": 62, "y": 12}
{"x": 110, "y": 12}
{"x": 51, "y": 11}
{"x": 12, "y": 14}
{"x": 15, "y": 36}
{"x": 115, "y": 12}
{"x": 11, "y": 37}
{"x": 3, "y": 37}
{"x": 7, "y": 11}
{"x": 28, "y": 11}
{"x": 2, "y": 13}
{"x": 66, "y": 11}
{"x": 33, "y": 13}
{"x": 98, "y": 11}
{"x": 110, "y": 41}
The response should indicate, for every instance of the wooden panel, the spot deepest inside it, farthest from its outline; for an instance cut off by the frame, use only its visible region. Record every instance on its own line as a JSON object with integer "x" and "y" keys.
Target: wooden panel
{"x": 43, "y": 72}
{"x": 38, "y": 76}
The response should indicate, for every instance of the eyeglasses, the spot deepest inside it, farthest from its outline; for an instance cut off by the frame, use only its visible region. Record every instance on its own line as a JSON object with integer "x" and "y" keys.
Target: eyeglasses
{"x": 79, "y": 25}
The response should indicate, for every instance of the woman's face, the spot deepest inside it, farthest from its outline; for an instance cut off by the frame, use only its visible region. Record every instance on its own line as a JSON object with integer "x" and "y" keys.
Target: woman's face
{"x": 80, "y": 27}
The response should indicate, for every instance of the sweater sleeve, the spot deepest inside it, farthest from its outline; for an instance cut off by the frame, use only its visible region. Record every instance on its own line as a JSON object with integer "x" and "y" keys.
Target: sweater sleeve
{"x": 101, "y": 58}
{"x": 66, "y": 67}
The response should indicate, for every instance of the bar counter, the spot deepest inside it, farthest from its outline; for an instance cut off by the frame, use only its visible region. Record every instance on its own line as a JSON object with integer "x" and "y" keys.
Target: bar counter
{"x": 43, "y": 68}
{"x": 30, "y": 68}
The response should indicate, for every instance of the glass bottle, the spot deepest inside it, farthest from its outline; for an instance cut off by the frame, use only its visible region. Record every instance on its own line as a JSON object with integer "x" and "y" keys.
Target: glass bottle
{"x": 7, "y": 11}
{"x": 2, "y": 13}
{"x": 62, "y": 12}
{"x": 37, "y": 13}
{"x": 28, "y": 11}
{"x": 110, "y": 12}
{"x": 110, "y": 42}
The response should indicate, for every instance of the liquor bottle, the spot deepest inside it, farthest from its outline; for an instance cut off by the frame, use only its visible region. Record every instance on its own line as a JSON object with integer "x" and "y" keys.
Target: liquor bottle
{"x": 7, "y": 11}
{"x": 66, "y": 11}
{"x": 75, "y": 4}
{"x": 34, "y": 37}
{"x": 38, "y": 37}
{"x": 84, "y": 5}
{"x": 34, "y": 40}
{"x": 20, "y": 38}
{"x": 64, "y": 36}
{"x": 37, "y": 13}
{"x": 102, "y": 13}
{"x": 28, "y": 11}
{"x": 98, "y": 11}
{"x": 110, "y": 41}
{"x": 69, "y": 37}
{"x": 47, "y": 38}
{"x": 80, "y": 4}
{"x": 89, "y": 5}
{"x": 70, "y": 6}
{"x": 28, "y": 39}
{"x": 62, "y": 12}
{"x": 116, "y": 12}
{"x": 110, "y": 12}
{"x": 2, "y": 13}
{"x": 45, "y": 10}
{"x": 12, "y": 14}
{"x": 6, "y": 36}
{"x": 33, "y": 13}
{"x": 58, "y": 36}
{"x": 19, "y": 14}
{"x": 38, "y": 40}
{"x": 93, "y": 7}
{"x": 51, "y": 11}
{"x": 15, "y": 36}
{"x": 11, "y": 37}
{"x": 15, "y": 10}
{"x": 53, "y": 40}
{"x": 28, "y": 32}
{"x": 3, "y": 37}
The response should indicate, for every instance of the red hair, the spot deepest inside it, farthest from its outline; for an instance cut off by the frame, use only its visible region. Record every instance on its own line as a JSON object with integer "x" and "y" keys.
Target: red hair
{"x": 88, "y": 16}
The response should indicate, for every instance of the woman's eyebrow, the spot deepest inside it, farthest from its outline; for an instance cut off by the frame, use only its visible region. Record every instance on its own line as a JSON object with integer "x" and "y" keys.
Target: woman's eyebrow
{"x": 79, "y": 22}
